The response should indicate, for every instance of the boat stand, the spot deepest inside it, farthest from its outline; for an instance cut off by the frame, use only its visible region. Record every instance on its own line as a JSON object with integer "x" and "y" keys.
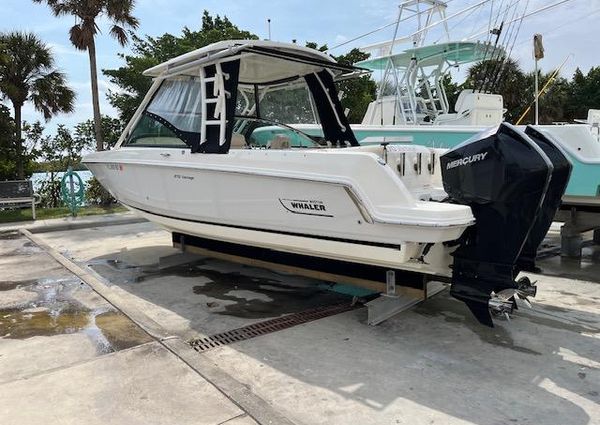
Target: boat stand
{"x": 393, "y": 298}
{"x": 578, "y": 218}
{"x": 397, "y": 300}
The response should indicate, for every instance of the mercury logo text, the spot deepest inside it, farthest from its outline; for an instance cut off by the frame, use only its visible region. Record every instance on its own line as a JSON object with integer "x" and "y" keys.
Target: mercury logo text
{"x": 466, "y": 160}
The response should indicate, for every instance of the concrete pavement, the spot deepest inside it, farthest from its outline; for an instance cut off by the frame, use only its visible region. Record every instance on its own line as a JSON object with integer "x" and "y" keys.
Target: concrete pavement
{"x": 431, "y": 364}
{"x": 67, "y": 356}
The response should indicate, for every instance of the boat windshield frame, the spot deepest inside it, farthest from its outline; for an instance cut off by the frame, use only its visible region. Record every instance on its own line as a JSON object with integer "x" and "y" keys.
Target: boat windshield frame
{"x": 221, "y": 72}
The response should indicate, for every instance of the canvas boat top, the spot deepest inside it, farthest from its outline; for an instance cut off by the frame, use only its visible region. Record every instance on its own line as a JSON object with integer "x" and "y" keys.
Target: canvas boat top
{"x": 262, "y": 61}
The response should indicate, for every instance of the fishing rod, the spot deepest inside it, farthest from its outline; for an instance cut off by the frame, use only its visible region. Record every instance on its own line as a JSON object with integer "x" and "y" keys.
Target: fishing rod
{"x": 501, "y": 54}
{"x": 510, "y": 42}
{"x": 489, "y": 64}
{"x": 397, "y": 21}
{"x": 541, "y": 9}
{"x": 497, "y": 53}
{"x": 543, "y": 90}
{"x": 500, "y": 74}
{"x": 488, "y": 40}
{"x": 424, "y": 29}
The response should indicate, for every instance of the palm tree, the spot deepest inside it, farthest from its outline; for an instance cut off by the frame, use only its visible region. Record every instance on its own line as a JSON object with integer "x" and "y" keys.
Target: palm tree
{"x": 83, "y": 35}
{"x": 28, "y": 74}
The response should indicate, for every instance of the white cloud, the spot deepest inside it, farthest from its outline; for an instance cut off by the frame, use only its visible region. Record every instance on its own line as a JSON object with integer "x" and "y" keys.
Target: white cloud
{"x": 340, "y": 39}
{"x": 61, "y": 49}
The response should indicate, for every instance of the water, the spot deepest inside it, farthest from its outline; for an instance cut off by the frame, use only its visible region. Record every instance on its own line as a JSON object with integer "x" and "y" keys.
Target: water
{"x": 38, "y": 178}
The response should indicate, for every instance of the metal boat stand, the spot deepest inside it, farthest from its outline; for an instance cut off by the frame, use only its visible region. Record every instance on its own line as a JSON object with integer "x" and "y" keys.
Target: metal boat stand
{"x": 578, "y": 217}
{"x": 393, "y": 299}
{"x": 398, "y": 299}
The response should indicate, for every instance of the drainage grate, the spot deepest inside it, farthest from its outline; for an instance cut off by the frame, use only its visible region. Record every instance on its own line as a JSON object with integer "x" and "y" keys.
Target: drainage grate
{"x": 268, "y": 326}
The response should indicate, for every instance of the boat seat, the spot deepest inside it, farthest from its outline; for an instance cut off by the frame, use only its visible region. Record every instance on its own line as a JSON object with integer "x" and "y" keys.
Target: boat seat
{"x": 279, "y": 142}
{"x": 238, "y": 141}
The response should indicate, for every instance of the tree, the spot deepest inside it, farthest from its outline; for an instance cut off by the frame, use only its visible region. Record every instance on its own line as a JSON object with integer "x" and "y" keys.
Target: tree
{"x": 505, "y": 78}
{"x": 150, "y": 51}
{"x": 27, "y": 73}
{"x": 552, "y": 101}
{"x": 357, "y": 92}
{"x": 111, "y": 130}
{"x": 83, "y": 34}
{"x": 452, "y": 90}
{"x": 583, "y": 93}
{"x": 7, "y": 154}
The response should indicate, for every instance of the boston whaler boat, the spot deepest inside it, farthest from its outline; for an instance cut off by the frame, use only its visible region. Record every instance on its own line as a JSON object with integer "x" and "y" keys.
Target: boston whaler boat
{"x": 194, "y": 160}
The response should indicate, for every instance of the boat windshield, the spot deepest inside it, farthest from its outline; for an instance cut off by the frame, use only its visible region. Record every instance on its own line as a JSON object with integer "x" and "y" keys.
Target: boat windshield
{"x": 262, "y": 116}
{"x": 262, "y": 133}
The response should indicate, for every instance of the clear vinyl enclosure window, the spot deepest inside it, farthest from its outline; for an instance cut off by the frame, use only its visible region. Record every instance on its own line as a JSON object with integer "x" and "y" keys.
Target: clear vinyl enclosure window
{"x": 264, "y": 113}
{"x": 279, "y": 106}
{"x": 173, "y": 116}
{"x": 287, "y": 104}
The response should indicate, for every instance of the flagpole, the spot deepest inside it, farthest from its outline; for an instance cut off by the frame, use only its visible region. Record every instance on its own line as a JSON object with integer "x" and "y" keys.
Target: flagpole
{"x": 537, "y": 108}
{"x": 538, "y": 53}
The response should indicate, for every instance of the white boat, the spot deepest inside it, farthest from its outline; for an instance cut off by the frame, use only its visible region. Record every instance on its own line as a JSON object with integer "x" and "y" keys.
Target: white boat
{"x": 412, "y": 105}
{"x": 193, "y": 160}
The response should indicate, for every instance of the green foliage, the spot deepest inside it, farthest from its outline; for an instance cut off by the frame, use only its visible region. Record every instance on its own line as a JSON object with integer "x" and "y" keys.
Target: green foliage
{"x": 511, "y": 83}
{"x": 95, "y": 194}
{"x": 23, "y": 214}
{"x": 583, "y": 93}
{"x": 59, "y": 151}
{"x": 150, "y": 51}
{"x": 562, "y": 101}
{"x": 8, "y": 154}
{"x": 313, "y": 45}
{"x": 49, "y": 192}
{"x": 87, "y": 12}
{"x": 452, "y": 90}
{"x": 357, "y": 92}
{"x": 28, "y": 74}
{"x": 8, "y": 165}
{"x": 111, "y": 131}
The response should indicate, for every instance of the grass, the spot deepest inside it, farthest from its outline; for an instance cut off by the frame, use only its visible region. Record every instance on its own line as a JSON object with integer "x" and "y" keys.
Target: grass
{"x": 24, "y": 214}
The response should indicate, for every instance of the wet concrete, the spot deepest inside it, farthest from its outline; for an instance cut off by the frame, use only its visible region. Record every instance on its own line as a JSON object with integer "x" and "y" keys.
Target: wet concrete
{"x": 245, "y": 292}
{"x": 585, "y": 268}
{"x": 119, "y": 331}
{"x": 430, "y": 364}
{"x": 453, "y": 312}
{"x": 68, "y": 356}
{"x": 50, "y": 304}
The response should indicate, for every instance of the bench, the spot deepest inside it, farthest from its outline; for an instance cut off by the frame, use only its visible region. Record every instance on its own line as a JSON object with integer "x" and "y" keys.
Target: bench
{"x": 18, "y": 193}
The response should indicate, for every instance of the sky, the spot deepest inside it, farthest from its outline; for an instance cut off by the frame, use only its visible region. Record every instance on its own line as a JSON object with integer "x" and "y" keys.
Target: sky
{"x": 570, "y": 29}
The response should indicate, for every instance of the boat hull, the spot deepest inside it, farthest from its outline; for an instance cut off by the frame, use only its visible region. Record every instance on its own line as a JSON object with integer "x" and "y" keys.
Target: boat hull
{"x": 349, "y": 214}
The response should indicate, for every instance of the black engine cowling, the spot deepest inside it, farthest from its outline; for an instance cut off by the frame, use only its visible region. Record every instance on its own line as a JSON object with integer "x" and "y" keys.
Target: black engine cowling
{"x": 503, "y": 175}
{"x": 556, "y": 190}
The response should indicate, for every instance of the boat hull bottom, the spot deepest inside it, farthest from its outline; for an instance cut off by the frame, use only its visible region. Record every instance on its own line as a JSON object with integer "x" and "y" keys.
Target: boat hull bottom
{"x": 373, "y": 277}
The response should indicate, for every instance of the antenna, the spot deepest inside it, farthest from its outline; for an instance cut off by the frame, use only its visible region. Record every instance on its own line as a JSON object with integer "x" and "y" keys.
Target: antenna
{"x": 269, "y": 27}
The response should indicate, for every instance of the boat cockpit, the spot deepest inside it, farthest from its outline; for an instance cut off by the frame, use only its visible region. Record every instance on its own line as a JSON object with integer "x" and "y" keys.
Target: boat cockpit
{"x": 243, "y": 94}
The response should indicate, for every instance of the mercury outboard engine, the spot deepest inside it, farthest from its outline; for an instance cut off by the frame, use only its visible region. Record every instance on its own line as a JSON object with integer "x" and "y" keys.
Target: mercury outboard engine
{"x": 504, "y": 176}
{"x": 556, "y": 190}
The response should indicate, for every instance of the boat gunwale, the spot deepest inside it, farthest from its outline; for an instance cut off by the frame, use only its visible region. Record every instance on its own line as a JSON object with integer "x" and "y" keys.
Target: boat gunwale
{"x": 348, "y": 186}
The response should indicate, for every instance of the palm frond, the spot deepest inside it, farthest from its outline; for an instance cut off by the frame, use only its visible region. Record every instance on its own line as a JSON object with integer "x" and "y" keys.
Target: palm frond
{"x": 61, "y": 7}
{"x": 120, "y": 34}
{"x": 82, "y": 35}
{"x": 51, "y": 95}
{"x": 28, "y": 73}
